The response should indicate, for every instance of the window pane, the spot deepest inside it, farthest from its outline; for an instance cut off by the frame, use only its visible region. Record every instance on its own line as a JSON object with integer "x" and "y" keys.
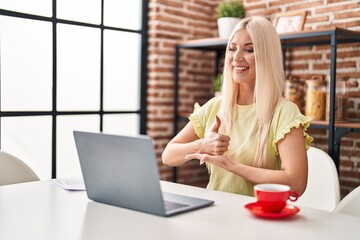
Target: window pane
{"x": 121, "y": 70}
{"x": 78, "y": 83}
{"x": 26, "y": 64}
{"x": 88, "y": 11}
{"x": 29, "y": 139}
{"x": 123, "y": 14}
{"x": 36, "y": 7}
{"x": 127, "y": 124}
{"x": 67, "y": 159}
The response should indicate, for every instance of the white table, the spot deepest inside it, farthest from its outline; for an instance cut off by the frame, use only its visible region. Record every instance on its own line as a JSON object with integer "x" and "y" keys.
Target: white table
{"x": 42, "y": 210}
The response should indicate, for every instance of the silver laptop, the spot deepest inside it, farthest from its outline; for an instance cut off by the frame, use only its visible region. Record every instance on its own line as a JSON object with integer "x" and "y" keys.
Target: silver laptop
{"x": 123, "y": 171}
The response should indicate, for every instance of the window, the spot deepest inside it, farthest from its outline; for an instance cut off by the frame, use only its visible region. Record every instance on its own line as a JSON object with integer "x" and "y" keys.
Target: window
{"x": 69, "y": 65}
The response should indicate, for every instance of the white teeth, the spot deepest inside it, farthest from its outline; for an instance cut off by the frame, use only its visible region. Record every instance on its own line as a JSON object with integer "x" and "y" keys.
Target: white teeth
{"x": 241, "y": 68}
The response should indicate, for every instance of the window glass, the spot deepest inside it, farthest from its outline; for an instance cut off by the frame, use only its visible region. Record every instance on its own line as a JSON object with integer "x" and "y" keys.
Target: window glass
{"x": 127, "y": 124}
{"x": 87, "y": 11}
{"x": 121, "y": 70}
{"x": 27, "y": 79}
{"x": 123, "y": 14}
{"x": 67, "y": 159}
{"x": 29, "y": 139}
{"x": 35, "y": 7}
{"x": 78, "y": 70}
{"x": 26, "y": 66}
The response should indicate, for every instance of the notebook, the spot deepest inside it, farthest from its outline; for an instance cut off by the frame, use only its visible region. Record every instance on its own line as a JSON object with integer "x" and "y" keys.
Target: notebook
{"x": 122, "y": 171}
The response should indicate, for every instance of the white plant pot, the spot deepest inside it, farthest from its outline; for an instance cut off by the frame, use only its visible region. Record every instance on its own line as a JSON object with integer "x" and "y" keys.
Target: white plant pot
{"x": 226, "y": 25}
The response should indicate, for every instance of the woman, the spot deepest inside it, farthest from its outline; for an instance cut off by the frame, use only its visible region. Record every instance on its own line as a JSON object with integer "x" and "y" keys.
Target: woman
{"x": 250, "y": 134}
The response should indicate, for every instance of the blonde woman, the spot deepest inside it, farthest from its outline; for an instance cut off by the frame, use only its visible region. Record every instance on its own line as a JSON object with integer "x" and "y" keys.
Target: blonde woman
{"x": 250, "y": 134}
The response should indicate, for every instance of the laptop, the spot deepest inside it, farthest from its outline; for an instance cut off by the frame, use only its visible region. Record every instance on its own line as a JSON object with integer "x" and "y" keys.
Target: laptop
{"x": 122, "y": 171}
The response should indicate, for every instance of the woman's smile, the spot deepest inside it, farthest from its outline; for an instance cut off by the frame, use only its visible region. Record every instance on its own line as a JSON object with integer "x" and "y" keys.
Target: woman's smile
{"x": 240, "y": 69}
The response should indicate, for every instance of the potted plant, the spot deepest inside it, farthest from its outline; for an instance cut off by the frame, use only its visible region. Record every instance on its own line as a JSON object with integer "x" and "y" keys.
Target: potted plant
{"x": 217, "y": 84}
{"x": 229, "y": 13}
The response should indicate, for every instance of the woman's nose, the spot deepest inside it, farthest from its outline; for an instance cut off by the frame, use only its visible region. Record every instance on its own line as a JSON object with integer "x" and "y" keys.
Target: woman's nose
{"x": 238, "y": 56}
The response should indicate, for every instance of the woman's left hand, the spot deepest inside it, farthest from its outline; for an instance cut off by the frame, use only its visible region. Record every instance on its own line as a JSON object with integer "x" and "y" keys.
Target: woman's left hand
{"x": 218, "y": 160}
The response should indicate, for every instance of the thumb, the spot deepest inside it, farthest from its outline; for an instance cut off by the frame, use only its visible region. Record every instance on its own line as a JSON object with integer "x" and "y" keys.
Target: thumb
{"x": 217, "y": 125}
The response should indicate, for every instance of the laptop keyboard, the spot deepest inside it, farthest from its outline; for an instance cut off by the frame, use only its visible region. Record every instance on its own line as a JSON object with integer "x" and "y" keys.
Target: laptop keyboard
{"x": 173, "y": 205}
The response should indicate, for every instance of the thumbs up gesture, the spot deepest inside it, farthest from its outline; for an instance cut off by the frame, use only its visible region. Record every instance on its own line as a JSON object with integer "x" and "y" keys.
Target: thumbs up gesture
{"x": 217, "y": 125}
{"x": 215, "y": 143}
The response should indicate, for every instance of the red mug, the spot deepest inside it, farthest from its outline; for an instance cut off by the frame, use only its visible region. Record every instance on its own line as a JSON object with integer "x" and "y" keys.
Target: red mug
{"x": 273, "y": 197}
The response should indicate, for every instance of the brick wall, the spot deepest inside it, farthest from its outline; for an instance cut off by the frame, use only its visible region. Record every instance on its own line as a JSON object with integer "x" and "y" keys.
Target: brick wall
{"x": 173, "y": 21}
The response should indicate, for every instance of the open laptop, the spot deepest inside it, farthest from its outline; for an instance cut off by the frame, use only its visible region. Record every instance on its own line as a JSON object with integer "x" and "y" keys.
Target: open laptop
{"x": 122, "y": 171}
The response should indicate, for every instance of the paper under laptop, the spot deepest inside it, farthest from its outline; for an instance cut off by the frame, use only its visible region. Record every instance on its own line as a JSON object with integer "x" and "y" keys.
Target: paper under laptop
{"x": 122, "y": 171}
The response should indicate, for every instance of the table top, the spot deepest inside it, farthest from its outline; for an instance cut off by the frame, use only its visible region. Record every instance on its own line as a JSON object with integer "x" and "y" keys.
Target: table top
{"x": 42, "y": 210}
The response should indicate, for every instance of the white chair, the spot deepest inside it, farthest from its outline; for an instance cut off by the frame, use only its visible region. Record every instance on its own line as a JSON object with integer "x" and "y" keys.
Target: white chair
{"x": 323, "y": 190}
{"x": 350, "y": 204}
{"x": 13, "y": 170}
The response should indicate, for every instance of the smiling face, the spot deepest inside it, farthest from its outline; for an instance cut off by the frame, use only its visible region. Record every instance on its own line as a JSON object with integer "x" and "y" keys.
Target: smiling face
{"x": 241, "y": 58}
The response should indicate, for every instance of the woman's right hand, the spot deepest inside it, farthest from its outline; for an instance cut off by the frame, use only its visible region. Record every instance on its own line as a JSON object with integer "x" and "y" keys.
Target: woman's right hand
{"x": 215, "y": 143}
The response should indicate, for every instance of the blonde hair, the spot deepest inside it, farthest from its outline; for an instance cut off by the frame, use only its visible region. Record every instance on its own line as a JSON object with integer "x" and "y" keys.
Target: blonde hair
{"x": 269, "y": 83}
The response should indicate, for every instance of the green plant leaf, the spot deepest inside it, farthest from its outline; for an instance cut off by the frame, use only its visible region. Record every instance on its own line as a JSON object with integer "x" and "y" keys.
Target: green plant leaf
{"x": 231, "y": 8}
{"x": 217, "y": 82}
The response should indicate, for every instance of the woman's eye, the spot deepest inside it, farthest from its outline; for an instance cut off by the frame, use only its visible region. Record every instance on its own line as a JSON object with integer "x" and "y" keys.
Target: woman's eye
{"x": 249, "y": 50}
{"x": 232, "y": 50}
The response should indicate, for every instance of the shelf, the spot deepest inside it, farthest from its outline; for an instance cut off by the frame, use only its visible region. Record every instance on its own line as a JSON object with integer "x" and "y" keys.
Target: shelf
{"x": 204, "y": 44}
{"x": 303, "y": 38}
{"x": 340, "y": 130}
{"x": 331, "y": 37}
{"x": 343, "y": 124}
{"x": 319, "y": 37}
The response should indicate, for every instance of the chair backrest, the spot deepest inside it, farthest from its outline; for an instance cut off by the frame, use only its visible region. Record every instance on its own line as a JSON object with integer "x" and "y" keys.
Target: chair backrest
{"x": 350, "y": 204}
{"x": 13, "y": 170}
{"x": 323, "y": 190}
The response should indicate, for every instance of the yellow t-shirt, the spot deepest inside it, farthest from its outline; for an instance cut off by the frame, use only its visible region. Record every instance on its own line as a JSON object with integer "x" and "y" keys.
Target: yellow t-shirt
{"x": 243, "y": 139}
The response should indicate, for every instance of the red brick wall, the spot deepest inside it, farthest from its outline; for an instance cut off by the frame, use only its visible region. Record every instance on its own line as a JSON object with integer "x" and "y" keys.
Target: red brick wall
{"x": 173, "y": 21}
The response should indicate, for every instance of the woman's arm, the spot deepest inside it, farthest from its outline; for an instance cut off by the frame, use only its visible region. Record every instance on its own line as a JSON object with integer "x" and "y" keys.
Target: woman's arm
{"x": 187, "y": 142}
{"x": 293, "y": 164}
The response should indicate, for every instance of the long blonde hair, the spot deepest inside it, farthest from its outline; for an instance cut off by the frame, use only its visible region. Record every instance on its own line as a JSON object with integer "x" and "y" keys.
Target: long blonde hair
{"x": 269, "y": 83}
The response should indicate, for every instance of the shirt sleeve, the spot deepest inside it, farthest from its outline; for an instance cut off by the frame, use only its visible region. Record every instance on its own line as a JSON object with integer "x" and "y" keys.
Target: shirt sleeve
{"x": 288, "y": 117}
{"x": 202, "y": 116}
